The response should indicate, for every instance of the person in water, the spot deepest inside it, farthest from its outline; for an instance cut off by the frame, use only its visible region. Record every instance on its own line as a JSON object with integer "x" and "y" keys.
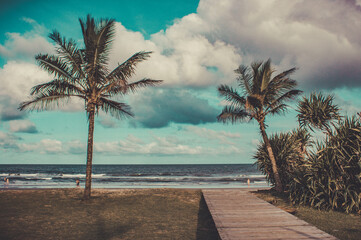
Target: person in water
{"x": 77, "y": 183}
{"x": 6, "y": 181}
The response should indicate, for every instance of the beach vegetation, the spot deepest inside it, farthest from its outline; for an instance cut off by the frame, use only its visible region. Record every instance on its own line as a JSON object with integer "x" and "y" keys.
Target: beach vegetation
{"x": 325, "y": 175}
{"x": 286, "y": 150}
{"x": 331, "y": 177}
{"x": 83, "y": 73}
{"x": 261, "y": 95}
{"x": 318, "y": 112}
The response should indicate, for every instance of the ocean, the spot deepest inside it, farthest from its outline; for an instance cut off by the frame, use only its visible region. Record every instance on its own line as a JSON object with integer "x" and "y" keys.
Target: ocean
{"x": 133, "y": 176}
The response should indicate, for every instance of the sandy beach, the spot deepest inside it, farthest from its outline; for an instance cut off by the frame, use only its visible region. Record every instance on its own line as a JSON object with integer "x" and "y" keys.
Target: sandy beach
{"x": 110, "y": 214}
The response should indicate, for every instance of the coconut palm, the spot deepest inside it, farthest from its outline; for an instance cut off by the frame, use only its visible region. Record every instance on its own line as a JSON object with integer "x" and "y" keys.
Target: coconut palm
{"x": 318, "y": 111}
{"x": 83, "y": 73}
{"x": 262, "y": 95}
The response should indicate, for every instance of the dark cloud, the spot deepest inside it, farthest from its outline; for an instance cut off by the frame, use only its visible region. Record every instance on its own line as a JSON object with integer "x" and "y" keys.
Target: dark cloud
{"x": 9, "y": 109}
{"x": 9, "y": 141}
{"x": 23, "y": 126}
{"x": 320, "y": 38}
{"x": 8, "y": 115}
{"x": 107, "y": 122}
{"x": 29, "y": 129}
{"x": 157, "y": 108}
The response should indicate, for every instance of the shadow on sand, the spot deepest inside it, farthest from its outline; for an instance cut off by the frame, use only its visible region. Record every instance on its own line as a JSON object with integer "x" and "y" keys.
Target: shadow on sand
{"x": 206, "y": 229}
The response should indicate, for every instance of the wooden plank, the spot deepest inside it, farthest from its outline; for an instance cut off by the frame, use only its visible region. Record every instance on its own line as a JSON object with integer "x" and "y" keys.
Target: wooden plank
{"x": 238, "y": 214}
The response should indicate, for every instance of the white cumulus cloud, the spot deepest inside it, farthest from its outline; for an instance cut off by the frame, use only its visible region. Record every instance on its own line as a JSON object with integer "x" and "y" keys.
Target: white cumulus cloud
{"x": 25, "y": 126}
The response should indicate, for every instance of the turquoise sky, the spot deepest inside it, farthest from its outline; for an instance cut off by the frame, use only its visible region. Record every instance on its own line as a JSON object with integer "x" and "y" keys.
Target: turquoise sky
{"x": 196, "y": 46}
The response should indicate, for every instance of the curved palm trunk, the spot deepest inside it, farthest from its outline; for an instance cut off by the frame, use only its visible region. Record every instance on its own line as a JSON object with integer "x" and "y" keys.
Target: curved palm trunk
{"x": 278, "y": 183}
{"x": 88, "y": 181}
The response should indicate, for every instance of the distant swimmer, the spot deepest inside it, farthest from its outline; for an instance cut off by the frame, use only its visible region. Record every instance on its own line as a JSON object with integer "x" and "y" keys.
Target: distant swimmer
{"x": 77, "y": 183}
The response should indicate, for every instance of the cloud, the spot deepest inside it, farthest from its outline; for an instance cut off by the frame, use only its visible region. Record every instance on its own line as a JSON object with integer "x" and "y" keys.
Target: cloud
{"x": 182, "y": 55}
{"x": 157, "y": 146}
{"x": 27, "y": 45}
{"x": 162, "y": 146}
{"x": 203, "y": 48}
{"x": 156, "y": 108}
{"x": 8, "y": 109}
{"x": 16, "y": 80}
{"x": 45, "y": 146}
{"x": 222, "y": 137}
{"x": 8, "y": 141}
{"x": 107, "y": 122}
{"x": 170, "y": 145}
{"x": 319, "y": 38}
{"x": 24, "y": 126}
{"x": 76, "y": 147}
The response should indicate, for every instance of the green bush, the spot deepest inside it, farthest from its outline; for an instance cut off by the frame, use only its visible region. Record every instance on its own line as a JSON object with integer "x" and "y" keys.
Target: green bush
{"x": 288, "y": 154}
{"x": 331, "y": 177}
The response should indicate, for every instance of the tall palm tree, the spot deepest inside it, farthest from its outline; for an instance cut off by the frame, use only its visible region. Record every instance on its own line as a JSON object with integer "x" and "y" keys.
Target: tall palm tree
{"x": 262, "y": 95}
{"x": 83, "y": 73}
{"x": 318, "y": 111}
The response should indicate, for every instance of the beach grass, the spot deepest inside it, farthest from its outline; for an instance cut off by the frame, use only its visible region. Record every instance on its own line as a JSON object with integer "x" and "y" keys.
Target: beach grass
{"x": 341, "y": 225}
{"x": 110, "y": 214}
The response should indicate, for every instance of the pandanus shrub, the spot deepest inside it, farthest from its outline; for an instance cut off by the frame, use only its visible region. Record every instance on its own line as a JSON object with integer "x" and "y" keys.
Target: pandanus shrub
{"x": 331, "y": 177}
{"x": 286, "y": 149}
{"x": 318, "y": 112}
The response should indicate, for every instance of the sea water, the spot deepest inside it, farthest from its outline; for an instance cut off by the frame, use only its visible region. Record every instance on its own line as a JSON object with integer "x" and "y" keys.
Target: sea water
{"x": 133, "y": 176}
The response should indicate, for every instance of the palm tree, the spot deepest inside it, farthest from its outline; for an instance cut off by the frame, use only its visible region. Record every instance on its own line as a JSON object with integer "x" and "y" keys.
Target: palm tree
{"x": 318, "y": 111}
{"x": 262, "y": 95}
{"x": 83, "y": 73}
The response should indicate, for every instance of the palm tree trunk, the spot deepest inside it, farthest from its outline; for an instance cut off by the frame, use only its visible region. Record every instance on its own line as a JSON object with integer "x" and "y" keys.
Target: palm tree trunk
{"x": 88, "y": 181}
{"x": 278, "y": 183}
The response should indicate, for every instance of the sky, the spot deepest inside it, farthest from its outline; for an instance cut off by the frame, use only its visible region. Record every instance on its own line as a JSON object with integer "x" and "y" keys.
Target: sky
{"x": 196, "y": 46}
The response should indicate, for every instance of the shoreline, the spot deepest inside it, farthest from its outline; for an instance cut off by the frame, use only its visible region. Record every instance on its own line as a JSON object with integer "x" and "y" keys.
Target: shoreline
{"x": 116, "y": 189}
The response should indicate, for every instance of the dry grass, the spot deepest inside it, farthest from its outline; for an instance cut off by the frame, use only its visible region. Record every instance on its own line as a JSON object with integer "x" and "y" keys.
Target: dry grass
{"x": 110, "y": 214}
{"x": 341, "y": 225}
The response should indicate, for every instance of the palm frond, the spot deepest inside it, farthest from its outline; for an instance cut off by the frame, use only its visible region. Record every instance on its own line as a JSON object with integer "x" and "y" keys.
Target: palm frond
{"x": 69, "y": 53}
{"x": 112, "y": 89}
{"x": 54, "y": 65}
{"x": 46, "y": 101}
{"x": 233, "y": 115}
{"x": 59, "y": 86}
{"x": 116, "y": 109}
{"x": 245, "y": 79}
{"x": 125, "y": 70}
{"x": 231, "y": 95}
{"x": 292, "y": 94}
{"x": 265, "y": 75}
{"x": 97, "y": 39}
{"x": 256, "y": 80}
{"x": 284, "y": 74}
{"x": 278, "y": 109}
{"x": 281, "y": 84}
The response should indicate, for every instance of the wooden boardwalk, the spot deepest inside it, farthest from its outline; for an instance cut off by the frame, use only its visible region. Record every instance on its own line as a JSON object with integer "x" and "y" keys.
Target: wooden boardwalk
{"x": 238, "y": 214}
